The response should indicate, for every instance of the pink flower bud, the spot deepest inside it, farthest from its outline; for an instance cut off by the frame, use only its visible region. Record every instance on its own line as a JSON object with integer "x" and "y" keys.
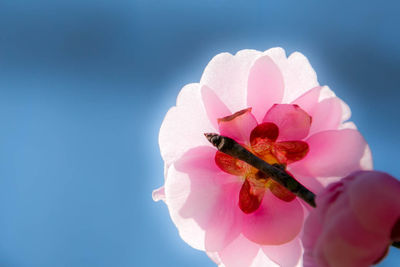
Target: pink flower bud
{"x": 355, "y": 221}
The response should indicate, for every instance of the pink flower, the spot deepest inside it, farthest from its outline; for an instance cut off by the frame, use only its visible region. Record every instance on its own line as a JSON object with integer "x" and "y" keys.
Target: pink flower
{"x": 273, "y": 105}
{"x": 355, "y": 221}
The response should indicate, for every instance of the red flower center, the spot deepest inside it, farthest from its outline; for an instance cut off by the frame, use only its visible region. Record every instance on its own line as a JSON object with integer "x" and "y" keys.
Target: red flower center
{"x": 263, "y": 144}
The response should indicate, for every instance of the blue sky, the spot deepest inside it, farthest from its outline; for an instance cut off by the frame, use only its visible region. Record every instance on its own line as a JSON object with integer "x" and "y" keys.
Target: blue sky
{"x": 84, "y": 87}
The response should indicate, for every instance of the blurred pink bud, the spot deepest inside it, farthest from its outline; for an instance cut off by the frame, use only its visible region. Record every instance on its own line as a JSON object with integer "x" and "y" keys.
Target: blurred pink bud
{"x": 355, "y": 221}
{"x": 274, "y": 106}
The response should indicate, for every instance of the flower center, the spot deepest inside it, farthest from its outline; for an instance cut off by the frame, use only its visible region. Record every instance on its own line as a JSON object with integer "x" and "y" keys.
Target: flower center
{"x": 263, "y": 144}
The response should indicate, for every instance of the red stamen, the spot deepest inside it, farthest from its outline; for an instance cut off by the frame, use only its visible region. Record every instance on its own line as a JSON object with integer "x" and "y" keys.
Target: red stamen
{"x": 280, "y": 192}
{"x": 230, "y": 165}
{"x": 266, "y": 130}
{"x": 249, "y": 202}
{"x": 290, "y": 151}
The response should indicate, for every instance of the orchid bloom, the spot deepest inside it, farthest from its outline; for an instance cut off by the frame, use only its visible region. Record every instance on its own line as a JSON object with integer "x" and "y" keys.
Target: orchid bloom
{"x": 272, "y": 105}
{"x": 355, "y": 221}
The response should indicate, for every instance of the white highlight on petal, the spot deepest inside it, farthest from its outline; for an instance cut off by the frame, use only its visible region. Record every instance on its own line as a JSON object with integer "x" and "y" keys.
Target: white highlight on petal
{"x": 366, "y": 161}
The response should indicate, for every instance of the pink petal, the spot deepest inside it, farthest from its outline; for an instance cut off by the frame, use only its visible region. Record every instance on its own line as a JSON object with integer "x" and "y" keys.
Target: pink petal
{"x": 327, "y": 110}
{"x": 375, "y": 200}
{"x": 238, "y": 125}
{"x": 353, "y": 221}
{"x": 311, "y": 233}
{"x": 293, "y": 122}
{"x": 215, "y": 108}
{"x": 332, "y": 153}
{"x": 366, "y": 161}
{"x": 286, "y": 255}
{"x": 184, "y": 125}
{"x": 192, "y": 190}
{"x": 240, "y": 252}
{"x": 262, "y": 260}
{"x": 308, "y": 100}
{"x": 344, "y": 241}
{"x": 225, "y": 221}
{"x": 327, "y": 115}
{"x": 265, "y": 86}
{"x": 276, "y": 222}
{"x": 227, "y": 75}
{"x": 298, "y": 75}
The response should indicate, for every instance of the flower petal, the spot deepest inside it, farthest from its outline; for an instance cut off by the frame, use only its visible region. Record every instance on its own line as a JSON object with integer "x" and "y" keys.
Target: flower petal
{"x": 192, "y": 189}
{"x": 238, "y": 125}
{"x": 298, "y": 75}
{"x": 225, "y": 221}
{"x": 262, "y": 260}
{"x": 332, "y": 153}
{"x": 286, "y": 255}
{"x": 227, "y": 75}
{"x": 215, "y": 108}
{"x": 275, "y": 222}
{"x": 230, "y": 164}
{"x": 327, "y": 115}
{"x": 343, "y": 235}
{"x": 265, "y": 86}
{"x": 240, "y": 252}
{"x": 308, "y": 100}
{"x": 293, "y": 122}
{"x": 383, "y": 208}
{"x": 290, "y": 151}
{"x": 325, "y": 108}
{"x": 184, "y": 125}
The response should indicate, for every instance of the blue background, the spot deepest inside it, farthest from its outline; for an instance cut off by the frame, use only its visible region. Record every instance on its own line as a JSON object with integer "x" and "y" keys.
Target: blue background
{"x": 84, "y": 87}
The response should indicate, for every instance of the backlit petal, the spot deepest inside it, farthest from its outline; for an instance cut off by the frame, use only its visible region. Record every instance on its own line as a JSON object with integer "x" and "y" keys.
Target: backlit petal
{"x": 293, "y": 122}
{"x": 327, "y": 115}
{"x": 238, "y": 125}
{"x": 215, "y": 108}
{"x": 332, "y": 153}
{"x": 227, "y": 75}
{"x": 265, "y": 86}
{"x": 225, "y": 221}
{"x": 275, "y": 222}
{"x": 192, "y": 190}
{"x": 184, "y": 125}
{"x": 241, "y": 252}
{"x": 286, "y": 255}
